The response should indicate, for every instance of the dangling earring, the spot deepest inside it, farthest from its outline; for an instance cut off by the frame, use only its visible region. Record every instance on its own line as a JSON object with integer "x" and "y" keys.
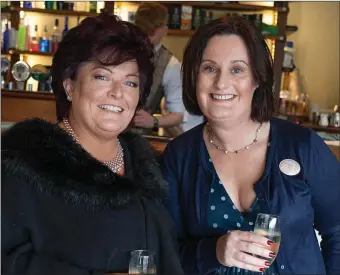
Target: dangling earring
{"x": 69, "y": 98}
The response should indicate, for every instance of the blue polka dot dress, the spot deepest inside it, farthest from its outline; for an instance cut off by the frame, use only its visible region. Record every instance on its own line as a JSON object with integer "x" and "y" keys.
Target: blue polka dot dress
{"x": 224, "y": 217}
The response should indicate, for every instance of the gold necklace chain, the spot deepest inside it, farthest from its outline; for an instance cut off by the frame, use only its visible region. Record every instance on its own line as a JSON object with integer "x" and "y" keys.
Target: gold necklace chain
{"x": 236, "y": 151}
{"x": 114, "y": 165}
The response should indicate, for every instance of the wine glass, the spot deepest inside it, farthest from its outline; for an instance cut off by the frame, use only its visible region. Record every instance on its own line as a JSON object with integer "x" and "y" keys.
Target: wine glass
{"x": 269, "y": 226}
{"x": 142, "y": 262}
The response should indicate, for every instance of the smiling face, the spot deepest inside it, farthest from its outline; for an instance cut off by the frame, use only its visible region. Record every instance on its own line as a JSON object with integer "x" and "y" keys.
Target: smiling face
{"x": 225, "y": 84}
{"x": 104, "y": 98}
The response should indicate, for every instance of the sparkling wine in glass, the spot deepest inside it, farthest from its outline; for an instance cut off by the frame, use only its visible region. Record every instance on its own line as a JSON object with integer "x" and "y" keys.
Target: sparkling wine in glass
{"x": 269, "y": 226}
{"x": 142, "y": 262}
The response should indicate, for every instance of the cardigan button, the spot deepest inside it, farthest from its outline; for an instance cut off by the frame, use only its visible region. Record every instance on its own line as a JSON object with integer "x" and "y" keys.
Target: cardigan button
{"x": 282, "y": 267}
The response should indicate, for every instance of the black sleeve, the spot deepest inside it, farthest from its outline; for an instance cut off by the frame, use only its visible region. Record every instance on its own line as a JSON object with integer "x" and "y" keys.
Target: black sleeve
{"x": 18, "y": 255}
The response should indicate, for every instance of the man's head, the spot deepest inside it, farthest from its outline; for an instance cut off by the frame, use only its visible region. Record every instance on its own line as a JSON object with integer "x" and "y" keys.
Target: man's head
{"x": 152, "y": 18}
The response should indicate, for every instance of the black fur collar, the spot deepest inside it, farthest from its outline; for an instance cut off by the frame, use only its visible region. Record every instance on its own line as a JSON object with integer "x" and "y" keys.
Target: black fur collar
{"x": 47, "y": 157}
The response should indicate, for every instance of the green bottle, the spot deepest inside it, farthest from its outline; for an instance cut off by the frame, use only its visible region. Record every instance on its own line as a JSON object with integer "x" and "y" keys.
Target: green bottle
{"x": 22, "y": 35}
{"x": 93, "y": 6}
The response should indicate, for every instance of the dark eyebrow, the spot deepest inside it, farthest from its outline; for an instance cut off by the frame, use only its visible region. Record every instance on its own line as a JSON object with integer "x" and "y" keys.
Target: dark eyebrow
{"x": 134, "y": 74}
{"x": 205, "y": 60}
{"x": 242, "y": 61}
{"x": 233, "y": 61}
{"x": 101, "y": 67}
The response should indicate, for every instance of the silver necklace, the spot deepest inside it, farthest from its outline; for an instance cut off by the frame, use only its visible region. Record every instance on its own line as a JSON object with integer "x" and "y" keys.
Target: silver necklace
{"x": 114, "y": 165}
{"x": 236, "y": 151}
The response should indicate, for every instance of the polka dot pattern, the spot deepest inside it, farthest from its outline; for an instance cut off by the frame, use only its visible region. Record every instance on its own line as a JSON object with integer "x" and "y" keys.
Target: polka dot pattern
{"x": 224, "y": 217}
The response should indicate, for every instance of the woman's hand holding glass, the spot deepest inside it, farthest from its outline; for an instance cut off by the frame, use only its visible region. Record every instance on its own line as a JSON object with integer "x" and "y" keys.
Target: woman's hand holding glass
{"x": 242, "y": 249}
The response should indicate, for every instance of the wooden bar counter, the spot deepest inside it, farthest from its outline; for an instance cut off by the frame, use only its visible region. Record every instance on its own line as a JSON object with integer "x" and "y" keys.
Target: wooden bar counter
{"x": 20, "y": 105}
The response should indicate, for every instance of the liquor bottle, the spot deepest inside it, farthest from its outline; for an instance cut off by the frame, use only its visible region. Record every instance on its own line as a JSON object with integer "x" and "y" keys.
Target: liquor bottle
{"x": 60, "y": 5}
{"x": 196, "y": 22}
{"x": 56, "y": 37}
{"x": 93, "y": 6}
{"x": 34, "y": 46}
{"x": 49, "y": 5}
{"x": 65, "y": 30}
{"x": 22, "y": 33}
{"x": 45, "y": 42}
{"x": 27, "y": 4}
{"x": 5, "y": 41}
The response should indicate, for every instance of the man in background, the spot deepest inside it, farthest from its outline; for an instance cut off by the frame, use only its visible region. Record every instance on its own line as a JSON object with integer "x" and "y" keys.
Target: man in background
{"x": 166, "y": 91}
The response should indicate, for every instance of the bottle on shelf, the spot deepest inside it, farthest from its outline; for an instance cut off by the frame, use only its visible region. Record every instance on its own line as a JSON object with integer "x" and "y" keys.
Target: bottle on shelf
{"x": 28, "y": 4}
{"x": 5, "y": 40}
{"x": 34, "y": 47}
{"x": 93, "y": 6}
{"x": 56, "y": 37}
{"x": 28, "y": 33}
{"x": 67, "y": 5}
{"x": 5, "y": 4}
{"x": 60, "y": 5}
{"x": 196, "y": 21}
{"x": 44, "y": 42}
{"x": 12, "y": 38}
{"x": 22, "y": 33}
{"x": 65, "y": 30}
{"x": 174, "y": 13}
{"x": 49, "y": 5}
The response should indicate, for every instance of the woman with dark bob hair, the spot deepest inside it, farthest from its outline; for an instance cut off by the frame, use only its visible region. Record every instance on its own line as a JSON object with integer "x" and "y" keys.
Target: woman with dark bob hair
{"x": 243, "y": 162}
{"x": 80, "y": 195}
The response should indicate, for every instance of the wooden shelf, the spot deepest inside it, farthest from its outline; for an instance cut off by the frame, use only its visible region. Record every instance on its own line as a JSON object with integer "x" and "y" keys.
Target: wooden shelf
{"x": 55, "y": 12}
{"x": 222, "y": 6}
{"x": 15, "y": 51}
{"x": 27, "y": 94}
{"x": 183, "y": 33}
{"x": 173, "y": 32}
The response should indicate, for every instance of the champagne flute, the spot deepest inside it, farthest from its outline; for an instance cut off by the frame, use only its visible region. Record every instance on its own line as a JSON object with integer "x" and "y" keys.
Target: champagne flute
{"x": 269, "y": 226}
{"x": 142, "y": 262}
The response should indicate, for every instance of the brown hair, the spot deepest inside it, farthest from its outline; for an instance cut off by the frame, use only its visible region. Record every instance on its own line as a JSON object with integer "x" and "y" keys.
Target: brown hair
{"x": 263, "y": 105}
{"x": 104, "y": 39}
{"x": 151, "y": 16}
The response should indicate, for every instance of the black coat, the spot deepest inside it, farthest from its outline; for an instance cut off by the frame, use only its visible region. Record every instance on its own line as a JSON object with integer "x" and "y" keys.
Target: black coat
{"x": 64, "y": 212}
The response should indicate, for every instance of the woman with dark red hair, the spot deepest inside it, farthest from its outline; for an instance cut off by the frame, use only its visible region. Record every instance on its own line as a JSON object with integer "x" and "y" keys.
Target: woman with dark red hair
{"x": 78, "y": 196}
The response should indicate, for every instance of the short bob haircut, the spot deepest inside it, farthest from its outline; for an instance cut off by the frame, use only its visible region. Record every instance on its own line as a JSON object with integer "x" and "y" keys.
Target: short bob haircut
{"x": 104, "y": 39}
{"x": 263, "y": 105}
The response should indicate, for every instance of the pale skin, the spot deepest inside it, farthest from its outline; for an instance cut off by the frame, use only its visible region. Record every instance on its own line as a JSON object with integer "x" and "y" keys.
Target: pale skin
{"x": 96, "y": 85}
{"x": 226, "y": 70}
{"x": 143, "y": 119}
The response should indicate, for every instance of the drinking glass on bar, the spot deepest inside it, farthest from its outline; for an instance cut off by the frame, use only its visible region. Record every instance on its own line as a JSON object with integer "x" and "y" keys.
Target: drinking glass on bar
{"x": 269, "y": 226}
{"x": 142, "y": 262}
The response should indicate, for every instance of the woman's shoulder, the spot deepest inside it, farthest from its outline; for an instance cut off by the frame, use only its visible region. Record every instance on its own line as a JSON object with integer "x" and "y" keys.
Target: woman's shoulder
{"x": 292, "y": 133}
{"x": 299, "y": 141}
{"x": 25, "y": 131}
{"x": 186, "y": 141}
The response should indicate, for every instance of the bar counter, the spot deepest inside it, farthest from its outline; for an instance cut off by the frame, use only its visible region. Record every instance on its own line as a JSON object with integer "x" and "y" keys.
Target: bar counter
{"x": 20, "y": 105}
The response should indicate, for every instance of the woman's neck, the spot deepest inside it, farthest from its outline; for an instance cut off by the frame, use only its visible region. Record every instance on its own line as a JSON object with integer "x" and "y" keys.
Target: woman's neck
{"x": 233, "y": 135}
{"x": 100, "y": 148}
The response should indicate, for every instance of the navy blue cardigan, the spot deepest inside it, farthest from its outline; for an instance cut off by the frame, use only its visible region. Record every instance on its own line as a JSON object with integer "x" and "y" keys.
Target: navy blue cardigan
{"x": 308, "y": 200}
